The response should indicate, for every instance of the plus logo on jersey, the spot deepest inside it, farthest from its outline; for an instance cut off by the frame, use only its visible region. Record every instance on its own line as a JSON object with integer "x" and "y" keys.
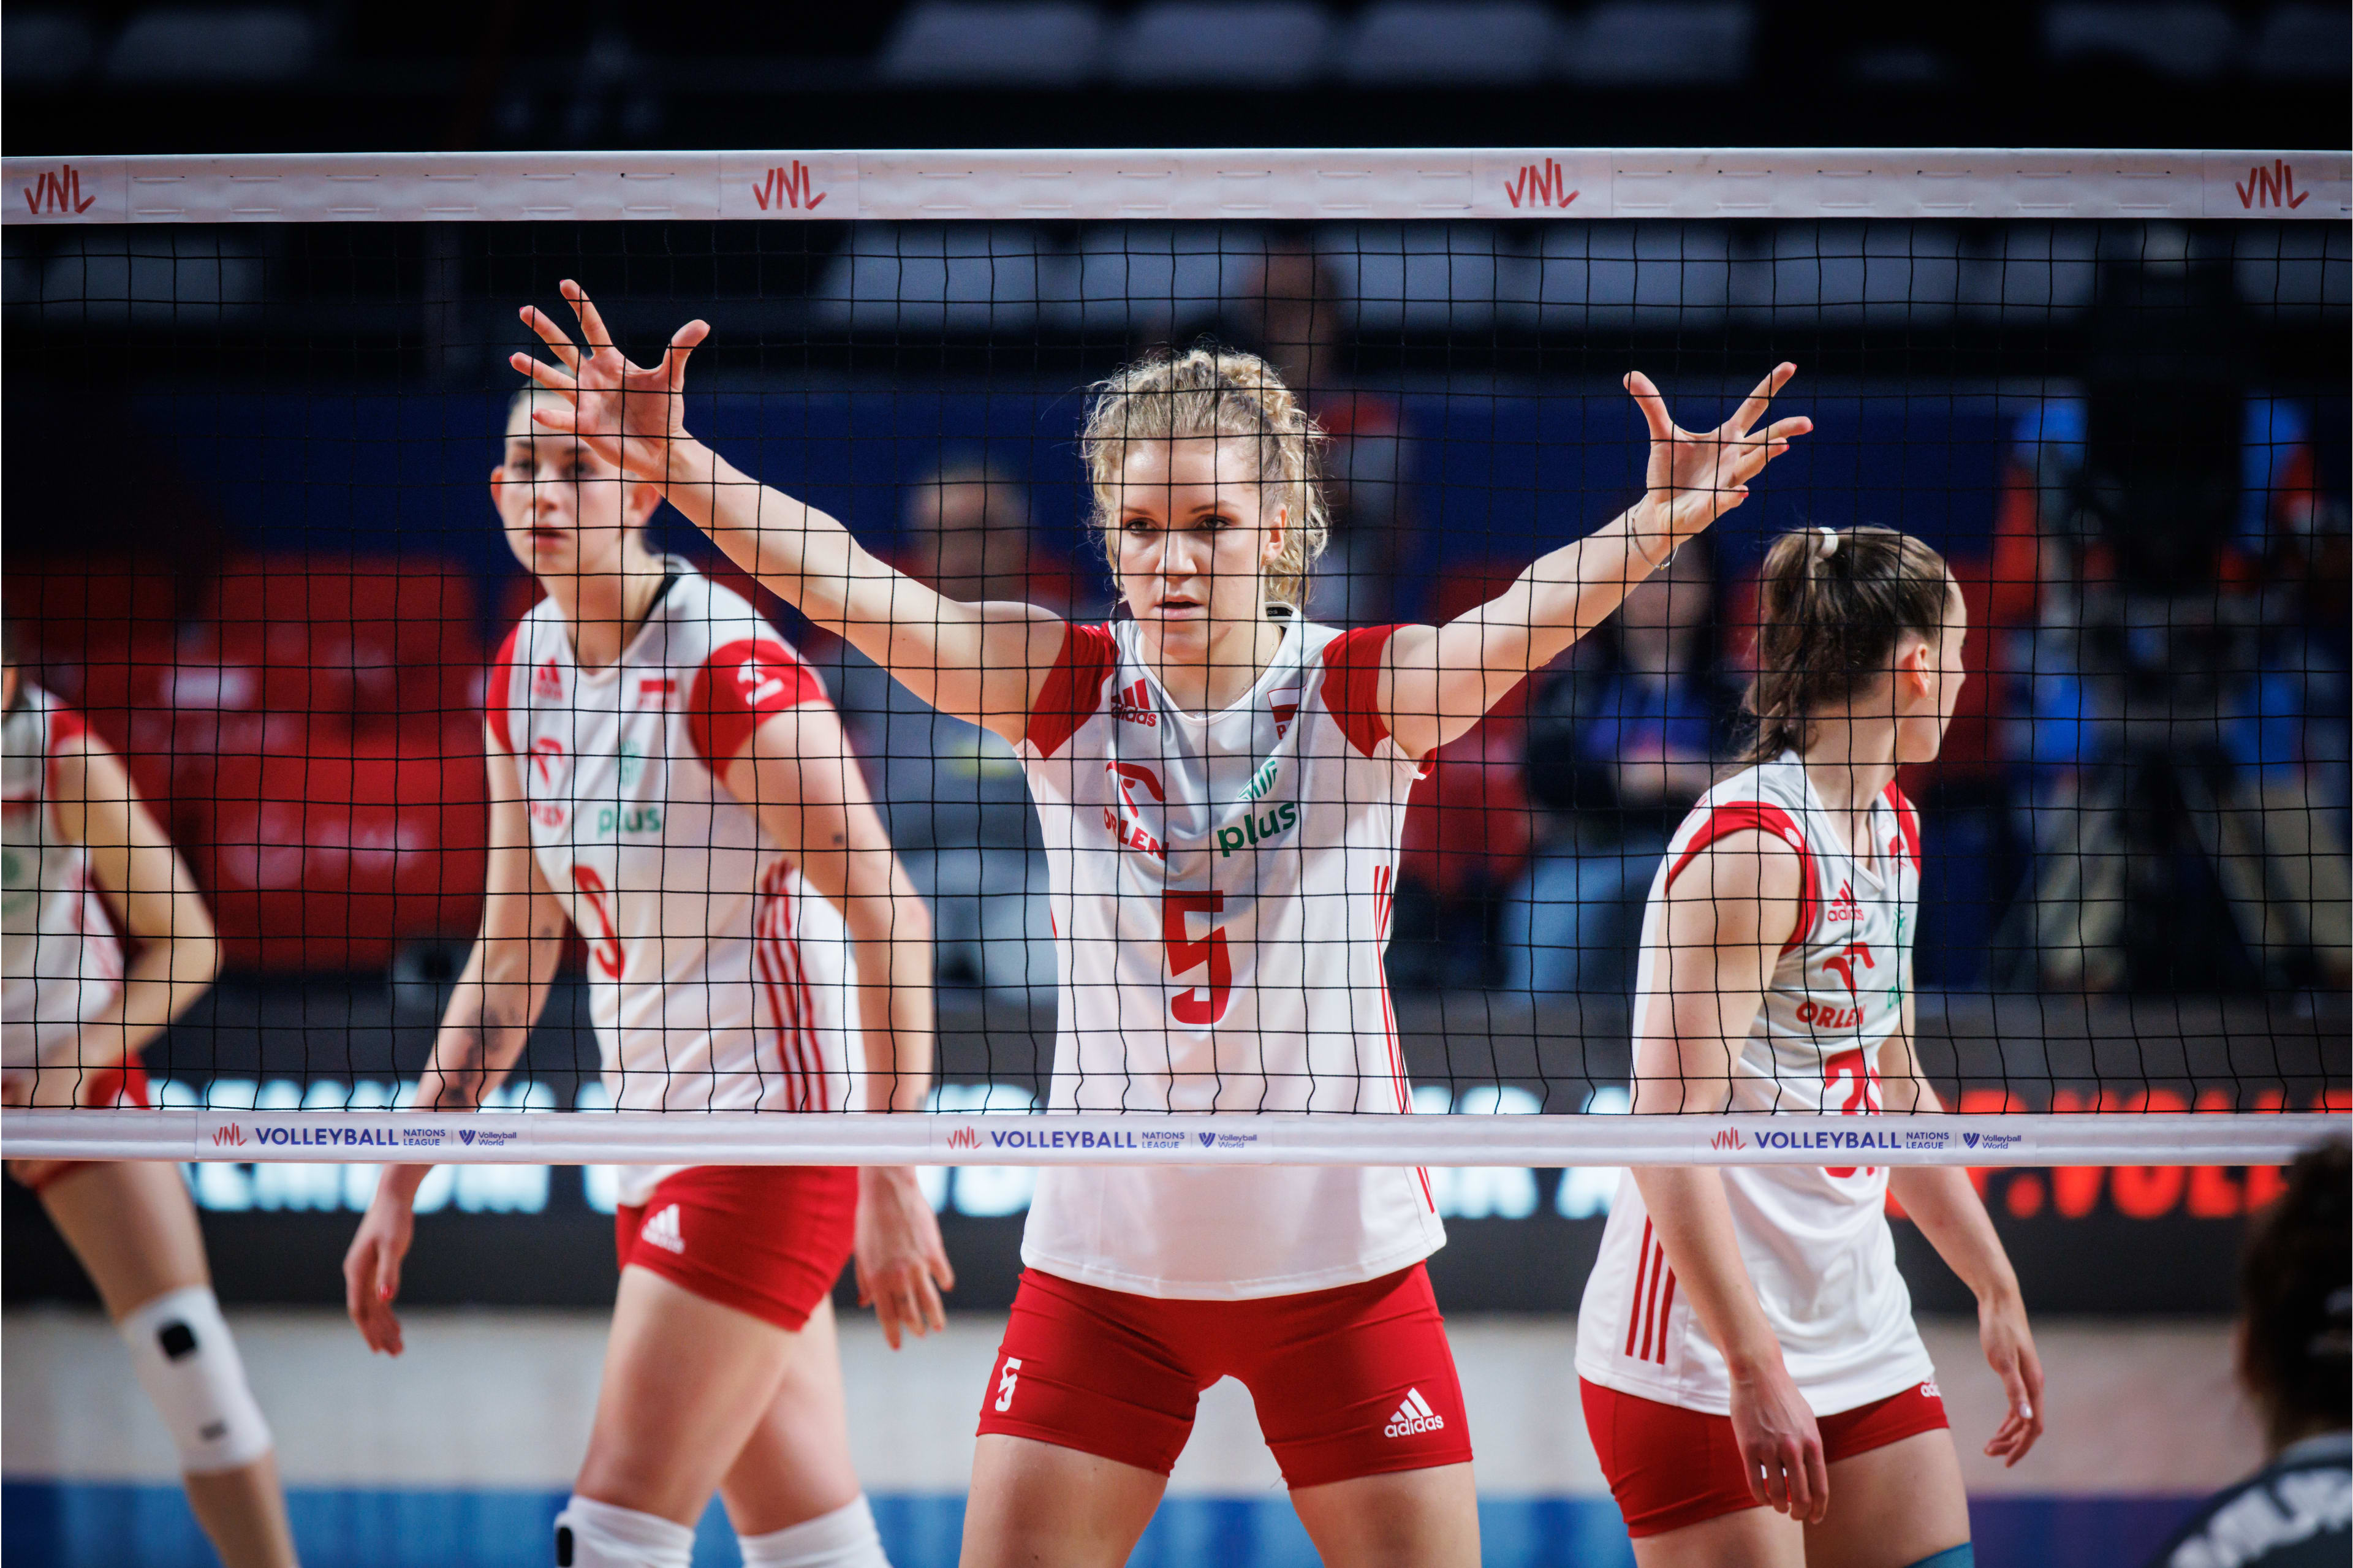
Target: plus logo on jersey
{"x": 1133, "y": 706}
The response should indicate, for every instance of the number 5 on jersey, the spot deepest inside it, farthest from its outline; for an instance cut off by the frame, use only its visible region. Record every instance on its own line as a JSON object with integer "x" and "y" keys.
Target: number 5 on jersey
{"x": 606, "y": 946}
{"x": 1005, "y": 1380}
{"x": 1185, "y": 954}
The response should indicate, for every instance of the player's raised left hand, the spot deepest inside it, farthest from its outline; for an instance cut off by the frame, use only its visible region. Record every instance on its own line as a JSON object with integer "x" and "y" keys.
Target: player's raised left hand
{"x": 632, "y": 415}
{"x": 1694, "y": 476}
{"x": 901, "y": 1264}
{"x": 2009, "y": 1351}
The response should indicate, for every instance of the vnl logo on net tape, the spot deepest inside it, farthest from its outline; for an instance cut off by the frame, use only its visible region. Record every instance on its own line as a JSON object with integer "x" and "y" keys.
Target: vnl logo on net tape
{"x": 1099, "y": 1141}
{"x": 263, "y": 1136}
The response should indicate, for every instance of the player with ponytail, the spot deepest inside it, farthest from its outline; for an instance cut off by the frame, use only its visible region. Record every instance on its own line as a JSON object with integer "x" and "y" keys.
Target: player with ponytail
{"x": 1753, "y": 1380}
{"x": 1222, "y": 787}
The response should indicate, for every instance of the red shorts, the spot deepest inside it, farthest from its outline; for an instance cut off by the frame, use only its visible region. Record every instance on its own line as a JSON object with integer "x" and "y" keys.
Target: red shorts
{"x": 1352, "y": 1381}
{"x": 108, "y": 1088}
{"x": 1669, "y": 1467}
{"x": 769, "y": 1240}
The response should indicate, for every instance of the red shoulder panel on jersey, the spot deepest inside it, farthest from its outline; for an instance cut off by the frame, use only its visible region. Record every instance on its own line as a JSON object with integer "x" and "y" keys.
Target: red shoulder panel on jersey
{"x": 1757, "y": 817}
{"x": 64, "y": 725}
{"x": 1907, "y": 823}
{"x": 738, "y": 686}
{"x": 1073, "y": 688}
{"x": 1351, "y": 685}
{"x": 500, "y": 691}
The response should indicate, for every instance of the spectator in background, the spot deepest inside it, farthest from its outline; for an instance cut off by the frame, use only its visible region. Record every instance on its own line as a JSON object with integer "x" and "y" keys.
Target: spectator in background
{"x": 2295, "y": 1360}
{"x": 2159, "y": 725}
{"x": 953, "y": 794}
{"x": 968, "y": 535}
{"x": 1293, "y": 312}
{"x": 1620, "y": 755}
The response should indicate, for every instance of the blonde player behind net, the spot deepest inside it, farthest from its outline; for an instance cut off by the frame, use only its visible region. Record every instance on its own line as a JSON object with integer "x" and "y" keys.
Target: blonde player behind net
{"x": 1222, "y": 789}
{"x": 1753, "y": 1380}
{"x": 668, "y": 779}
{"x": 86, "y": 868}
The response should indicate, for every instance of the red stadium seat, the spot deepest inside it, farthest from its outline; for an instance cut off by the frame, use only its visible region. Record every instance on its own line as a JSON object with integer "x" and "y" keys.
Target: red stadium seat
{"x": 70, "y": 605}
{"x": 328, "y": 854}
{"x": 369, "y": 636}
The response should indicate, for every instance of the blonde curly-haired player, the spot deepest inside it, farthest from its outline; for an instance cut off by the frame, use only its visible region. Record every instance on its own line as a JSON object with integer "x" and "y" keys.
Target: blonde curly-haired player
{"x": 668, "y": 779}
{"x": 1222, "y": 787}
{"x": 107, "y": 941}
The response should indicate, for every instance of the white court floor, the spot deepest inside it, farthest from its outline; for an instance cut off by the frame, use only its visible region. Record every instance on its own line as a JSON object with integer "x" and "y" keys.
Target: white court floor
{"x": 501, "y": 1399}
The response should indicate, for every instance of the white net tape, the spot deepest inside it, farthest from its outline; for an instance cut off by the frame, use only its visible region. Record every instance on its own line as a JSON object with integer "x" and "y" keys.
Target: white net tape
{"x": 1151, "y": 1138}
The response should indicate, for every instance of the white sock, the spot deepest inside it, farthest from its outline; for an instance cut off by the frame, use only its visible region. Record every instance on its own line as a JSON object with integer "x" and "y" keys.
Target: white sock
{"x": 842, "y": 1539}
{"x": 592, "y": 1534}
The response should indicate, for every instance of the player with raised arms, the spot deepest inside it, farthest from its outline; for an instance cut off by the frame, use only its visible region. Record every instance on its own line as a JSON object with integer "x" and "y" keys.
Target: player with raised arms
{"x": 668, "y": 779}
{"x": 1753, "y": 1380}
{"x": 106, "y": 942}
{"x": 1222, "y": 786}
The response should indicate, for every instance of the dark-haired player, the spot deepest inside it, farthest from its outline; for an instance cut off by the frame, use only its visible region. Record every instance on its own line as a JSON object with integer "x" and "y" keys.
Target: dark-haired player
{"x": 1753, "y": 1380}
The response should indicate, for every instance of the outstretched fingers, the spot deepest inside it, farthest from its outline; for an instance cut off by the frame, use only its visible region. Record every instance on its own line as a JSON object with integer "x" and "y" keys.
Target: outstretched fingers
{"x": 1754, "y": 408}
{"x": 553, "y": 336}
{"x": 553, "y": 377}
{"x": 682, "y": 344}
{"x": 593, "y": 331}
{"x": 1653, "y": 405}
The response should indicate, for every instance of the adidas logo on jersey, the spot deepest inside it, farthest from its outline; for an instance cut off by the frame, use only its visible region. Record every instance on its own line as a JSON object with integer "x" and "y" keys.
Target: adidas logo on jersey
{"x": 547, "y": 682}
{"x": 1843, "y": 911}
{"x": 1134, "y": 705}
{"x": 1413, "y": 1416}
{"x": 662, "y": 1230}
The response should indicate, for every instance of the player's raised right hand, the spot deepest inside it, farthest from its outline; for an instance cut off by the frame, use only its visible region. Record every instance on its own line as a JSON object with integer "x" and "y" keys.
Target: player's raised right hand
{"x": 1781, "y": 1445}
{"x": 632, "y": 415}
{"x": 372, "y": 1267}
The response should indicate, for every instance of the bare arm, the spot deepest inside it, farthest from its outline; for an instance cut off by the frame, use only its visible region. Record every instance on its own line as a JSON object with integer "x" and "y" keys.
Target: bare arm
{"x": 983, "y": 663}
{"x": 148, "y": 888}
{"x": 499, "y": 997}
{"x": 1441, "y": 681}
{"x": 1727, "y": 914}
{"x": 797, "y": 773}
{"x": 1945, "y": 1204}
{"x": 504, "y": 984}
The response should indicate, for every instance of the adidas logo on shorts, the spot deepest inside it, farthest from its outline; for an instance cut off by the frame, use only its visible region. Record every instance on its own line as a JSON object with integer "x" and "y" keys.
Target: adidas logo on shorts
{"x": 662, "y": 1230}
{"x": 1413, "y": 1416}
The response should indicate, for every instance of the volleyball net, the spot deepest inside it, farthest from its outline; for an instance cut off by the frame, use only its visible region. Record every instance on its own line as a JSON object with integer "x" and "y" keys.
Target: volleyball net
{"x": 253, "y": 403}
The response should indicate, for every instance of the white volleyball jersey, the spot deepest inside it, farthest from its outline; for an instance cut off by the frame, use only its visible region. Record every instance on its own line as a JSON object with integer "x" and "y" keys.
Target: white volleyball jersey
{"x": 1221, "y": 889}
{"x": 1815, "y": 1239}
{"x": 719, "y": 980}
{"x": 63, "y": 961}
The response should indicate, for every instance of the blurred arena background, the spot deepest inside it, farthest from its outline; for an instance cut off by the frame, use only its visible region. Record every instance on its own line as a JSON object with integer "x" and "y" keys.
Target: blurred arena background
{"x": 215, "y": 544}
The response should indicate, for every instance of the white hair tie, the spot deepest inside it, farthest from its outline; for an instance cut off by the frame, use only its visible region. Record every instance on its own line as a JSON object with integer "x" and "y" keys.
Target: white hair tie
{"x": 1829, "y": 541}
